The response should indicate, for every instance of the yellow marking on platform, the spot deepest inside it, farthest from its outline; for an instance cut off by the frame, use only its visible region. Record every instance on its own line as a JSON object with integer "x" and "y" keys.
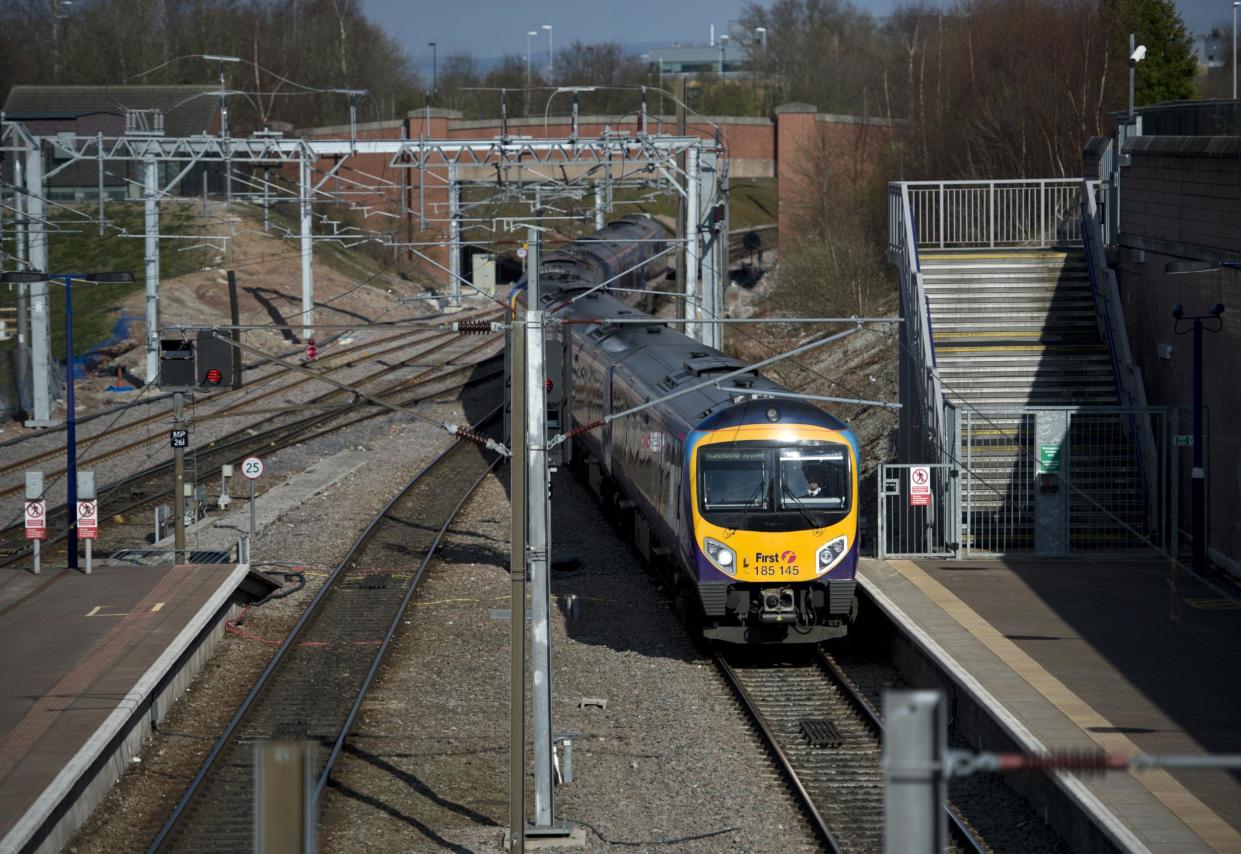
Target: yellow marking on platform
{"x": 156, "y": 607}
{"x": 1182, "y": 803}
{"x": 97, "y": 612}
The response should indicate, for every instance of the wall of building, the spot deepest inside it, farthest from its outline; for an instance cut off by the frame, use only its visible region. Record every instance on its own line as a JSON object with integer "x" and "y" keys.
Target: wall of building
{"x": 1180, "y": 200}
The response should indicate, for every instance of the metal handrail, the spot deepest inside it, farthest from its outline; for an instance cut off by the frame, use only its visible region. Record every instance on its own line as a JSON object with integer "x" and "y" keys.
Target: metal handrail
{"x": 1017, "y": 212}
{"x": 1130, "y": 386}
{"x": 925, "y": 414}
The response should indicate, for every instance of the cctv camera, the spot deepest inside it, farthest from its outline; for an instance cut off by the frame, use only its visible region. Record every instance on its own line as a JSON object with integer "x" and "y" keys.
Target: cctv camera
{"x": 1217, "y": 309}
{"x": 1138, "y": 55}
{"x": 1177, "y": 311}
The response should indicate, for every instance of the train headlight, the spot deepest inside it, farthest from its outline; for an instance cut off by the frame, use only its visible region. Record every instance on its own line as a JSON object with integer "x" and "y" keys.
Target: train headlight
{"x": 830, "y": 554}
{"x": 722, "y": 556}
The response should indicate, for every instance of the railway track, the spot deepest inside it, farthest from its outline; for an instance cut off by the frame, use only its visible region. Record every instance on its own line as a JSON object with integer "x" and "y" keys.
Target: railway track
{"x": 152, "y": 485}
{"x": 426, "y": 341}
{"x": 312, "y": 690}
{"x": 827, "y": 740}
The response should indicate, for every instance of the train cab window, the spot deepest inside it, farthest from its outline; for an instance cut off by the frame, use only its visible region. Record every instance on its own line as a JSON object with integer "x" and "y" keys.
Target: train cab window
{"x": 735, "y": 479}
{"x": 774, "y": 486}
{"x": 813, "y": 478}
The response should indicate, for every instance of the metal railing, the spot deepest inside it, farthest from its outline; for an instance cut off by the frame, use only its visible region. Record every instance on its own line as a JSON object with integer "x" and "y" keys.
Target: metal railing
{"x": 923, "y": 412}
{"x": 1130, "y": 386}
{"x": 1024, "y": 212}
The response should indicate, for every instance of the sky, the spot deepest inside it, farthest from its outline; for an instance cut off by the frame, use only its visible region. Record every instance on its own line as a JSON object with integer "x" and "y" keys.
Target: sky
{"x": 491, "y": 28}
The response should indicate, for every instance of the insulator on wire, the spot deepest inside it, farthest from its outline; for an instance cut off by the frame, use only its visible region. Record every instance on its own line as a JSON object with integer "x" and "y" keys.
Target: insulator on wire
{"x": 477, "y": 438}
{"x": 472, "y": 327}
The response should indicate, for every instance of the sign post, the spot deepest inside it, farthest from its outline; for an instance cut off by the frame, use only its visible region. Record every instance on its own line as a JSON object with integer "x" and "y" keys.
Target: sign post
{"x": 36, "y": 514}
{"x": 920, "y": 486}
{"x": 87, "y": 513}
{"x": 252, "y": 470}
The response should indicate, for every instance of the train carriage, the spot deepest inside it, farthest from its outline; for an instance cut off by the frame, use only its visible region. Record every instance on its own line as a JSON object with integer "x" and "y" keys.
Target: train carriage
{"x": 748, "y": 500}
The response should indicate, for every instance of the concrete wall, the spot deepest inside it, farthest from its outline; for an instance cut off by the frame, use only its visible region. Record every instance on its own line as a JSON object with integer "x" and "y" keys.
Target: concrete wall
{"x": 1181, "y": 200}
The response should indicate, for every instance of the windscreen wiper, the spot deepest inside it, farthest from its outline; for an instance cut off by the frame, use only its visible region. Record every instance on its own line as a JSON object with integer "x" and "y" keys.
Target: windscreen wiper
{"x": 759, "y": 491}
{"x": 801, "y": 508}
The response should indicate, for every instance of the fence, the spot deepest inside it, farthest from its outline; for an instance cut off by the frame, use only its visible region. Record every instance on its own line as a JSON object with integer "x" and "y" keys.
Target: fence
{"x": 919, "y": 513}
{"x": 1049, "y": 482}
{"x": 1034, "y": 212}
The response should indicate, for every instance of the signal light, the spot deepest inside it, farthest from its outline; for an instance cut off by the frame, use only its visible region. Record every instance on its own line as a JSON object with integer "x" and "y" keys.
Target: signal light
{"x": 311, "y": 350}
{"x": 548, "y": 384}
{"x": 214, "y": 376}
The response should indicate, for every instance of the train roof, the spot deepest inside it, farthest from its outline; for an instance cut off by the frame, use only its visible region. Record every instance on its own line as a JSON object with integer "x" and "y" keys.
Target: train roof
{"x": 658, "y": 361}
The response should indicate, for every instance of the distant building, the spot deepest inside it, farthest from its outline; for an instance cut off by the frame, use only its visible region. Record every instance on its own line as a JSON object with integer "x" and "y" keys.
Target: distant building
{"x": 727, "y": 59}
{"x": 88, "y": 110}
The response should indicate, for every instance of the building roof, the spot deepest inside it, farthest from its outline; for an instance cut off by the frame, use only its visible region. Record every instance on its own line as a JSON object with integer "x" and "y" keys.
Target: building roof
{"x": 186, "y": 110}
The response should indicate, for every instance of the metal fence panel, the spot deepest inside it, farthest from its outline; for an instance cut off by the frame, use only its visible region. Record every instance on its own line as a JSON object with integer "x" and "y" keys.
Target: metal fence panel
{"x": 998, "y": 482}
{"x": 984, "y": 214}
{"x": 1098, "y": 491}
{"x": 919, "y": 510}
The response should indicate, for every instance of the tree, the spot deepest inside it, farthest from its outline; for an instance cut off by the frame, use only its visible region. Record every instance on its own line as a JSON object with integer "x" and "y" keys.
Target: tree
{"x": 1168, "y": 72}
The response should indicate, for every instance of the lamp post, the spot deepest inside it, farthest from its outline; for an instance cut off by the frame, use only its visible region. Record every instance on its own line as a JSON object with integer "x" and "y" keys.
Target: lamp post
{"x": 1197, "y": 481}
{"x": 723, "y": 43}
{"x": 762, "y": 34}
{"x": 435, "y": 86}
{"x": 529, "y": 35}
{"x": 551, "y": 53}
{"x": 228, "y": 164}
{"x": 71, "y": 434}
{"x": 1235, "y": 4}
{"x": 1136, "y": 55}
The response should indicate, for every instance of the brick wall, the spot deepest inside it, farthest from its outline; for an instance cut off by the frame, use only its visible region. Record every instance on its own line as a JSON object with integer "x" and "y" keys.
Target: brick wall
{"x": 1180, "y": 200}
{"x": 816, "y": 150}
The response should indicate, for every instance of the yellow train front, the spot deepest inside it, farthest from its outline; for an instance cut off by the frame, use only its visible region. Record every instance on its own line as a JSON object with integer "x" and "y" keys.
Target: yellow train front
{"x": 772, "y": 494}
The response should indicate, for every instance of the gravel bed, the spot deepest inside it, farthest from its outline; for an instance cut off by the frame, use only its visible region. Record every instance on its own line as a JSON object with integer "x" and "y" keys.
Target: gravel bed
{"x": 315, "y": 535}
{"x": 670, "y": 764}
{"x": 1004, "y": 819}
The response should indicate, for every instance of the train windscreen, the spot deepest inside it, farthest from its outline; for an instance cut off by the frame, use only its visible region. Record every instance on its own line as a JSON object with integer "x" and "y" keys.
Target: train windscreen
{"x": 774, "y": 486}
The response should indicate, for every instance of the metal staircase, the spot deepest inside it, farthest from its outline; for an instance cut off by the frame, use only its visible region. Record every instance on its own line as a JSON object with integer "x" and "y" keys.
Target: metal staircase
{"x": 1016, "y": 329}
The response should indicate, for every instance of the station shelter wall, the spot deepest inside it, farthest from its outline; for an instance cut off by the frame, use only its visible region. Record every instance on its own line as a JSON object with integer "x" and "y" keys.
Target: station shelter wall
{"x": 1180, "y": 199}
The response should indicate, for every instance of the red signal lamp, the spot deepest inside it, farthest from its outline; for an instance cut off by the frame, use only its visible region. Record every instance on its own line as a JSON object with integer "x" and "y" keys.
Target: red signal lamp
{"x": 214, "y": 376}
{"x": 311, "y": 350}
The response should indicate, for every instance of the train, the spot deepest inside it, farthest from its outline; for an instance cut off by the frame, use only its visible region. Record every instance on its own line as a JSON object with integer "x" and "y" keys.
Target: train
{"x": 746, "y": 500}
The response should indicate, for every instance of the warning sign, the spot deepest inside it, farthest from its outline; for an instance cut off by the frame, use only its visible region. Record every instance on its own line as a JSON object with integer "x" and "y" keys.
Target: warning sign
{"x": 919, "y": 486}
{"x": 36, "y": 520}
{"x": 88, "y": 520}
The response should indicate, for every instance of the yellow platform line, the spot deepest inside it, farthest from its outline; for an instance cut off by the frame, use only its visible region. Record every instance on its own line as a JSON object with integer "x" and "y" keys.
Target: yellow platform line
{"x": 984, "y": 334}
{"x": 1182, "y": 803}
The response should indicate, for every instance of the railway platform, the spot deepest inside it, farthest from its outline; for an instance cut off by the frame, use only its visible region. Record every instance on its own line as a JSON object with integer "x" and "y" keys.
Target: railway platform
{"x": 89, "y": 662}
{"x": 1123, "y": 657}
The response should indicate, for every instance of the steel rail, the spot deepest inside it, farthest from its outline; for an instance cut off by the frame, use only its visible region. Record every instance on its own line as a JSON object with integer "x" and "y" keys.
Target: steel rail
{"x": 773, "y": 744}
{"x": 312, "y": 610}
{"x": 355, "y": 353}
{"x": 962, "y": 833}
{"x": 224, "y": 396}
{"x": 285, "y": 435}
{"x": 965, "y": 835}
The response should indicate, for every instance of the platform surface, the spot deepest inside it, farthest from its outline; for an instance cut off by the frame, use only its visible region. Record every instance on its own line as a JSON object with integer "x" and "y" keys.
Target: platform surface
{"x": 74, "y": 646}
{"x": 1126, "y": 657}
